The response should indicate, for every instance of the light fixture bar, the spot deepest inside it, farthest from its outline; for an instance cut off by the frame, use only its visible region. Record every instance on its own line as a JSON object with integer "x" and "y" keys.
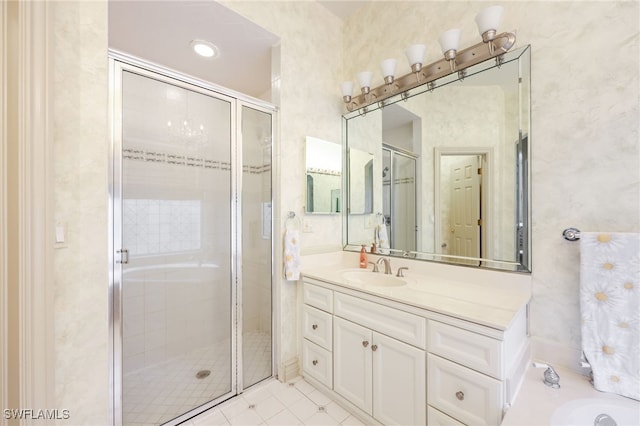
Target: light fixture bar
{"x": 464, "y": 59}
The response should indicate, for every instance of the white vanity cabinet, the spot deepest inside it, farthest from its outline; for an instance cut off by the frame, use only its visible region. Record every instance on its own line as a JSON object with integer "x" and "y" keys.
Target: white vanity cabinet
{"x": 380, "y": 375}
{"x": 403, "y": 365}
{"x": 474, "y": 372}
{"x": 317, "y": 330}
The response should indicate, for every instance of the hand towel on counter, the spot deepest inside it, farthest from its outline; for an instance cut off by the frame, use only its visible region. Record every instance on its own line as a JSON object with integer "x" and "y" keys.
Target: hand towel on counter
{"x": 609, "y": 306}
{"x": 291, "y": 257}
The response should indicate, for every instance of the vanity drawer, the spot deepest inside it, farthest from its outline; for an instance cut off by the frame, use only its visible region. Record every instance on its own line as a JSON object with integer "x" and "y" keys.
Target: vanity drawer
{"x": 317, "y": 296}
{"x": 470, "y": 349}
{"x": 317, "y": 326}
{"x": 464, "y": 394}
{"x": 401, "y": 325}
{"x": 317, "y": 362}
{"x": 438, "y": 418}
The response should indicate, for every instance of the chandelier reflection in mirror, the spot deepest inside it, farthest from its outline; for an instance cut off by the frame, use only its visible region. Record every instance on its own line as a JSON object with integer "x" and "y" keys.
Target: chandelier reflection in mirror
{"x": 493, "y": 45}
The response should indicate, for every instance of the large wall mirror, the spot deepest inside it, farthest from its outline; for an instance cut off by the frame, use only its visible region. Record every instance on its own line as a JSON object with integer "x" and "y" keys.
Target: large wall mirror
{"x": 450, "y": 167}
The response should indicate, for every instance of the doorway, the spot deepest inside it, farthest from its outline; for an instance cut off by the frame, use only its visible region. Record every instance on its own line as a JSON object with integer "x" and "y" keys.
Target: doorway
{"x": 462, "y": 211}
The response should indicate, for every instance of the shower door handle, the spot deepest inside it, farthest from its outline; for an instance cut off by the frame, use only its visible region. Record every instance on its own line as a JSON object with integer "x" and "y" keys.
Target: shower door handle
{"x": 124, "y": 256}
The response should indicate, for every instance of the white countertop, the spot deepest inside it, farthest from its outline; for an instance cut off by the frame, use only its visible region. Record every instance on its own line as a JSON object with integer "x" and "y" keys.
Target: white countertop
{"x": 479, "y": 299}
{"x": 536, "y": 403}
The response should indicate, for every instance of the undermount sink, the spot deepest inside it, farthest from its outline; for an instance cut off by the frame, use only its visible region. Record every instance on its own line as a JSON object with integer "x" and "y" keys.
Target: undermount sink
{"x": 598, "y": 412}
{"x": 368, "y": 278}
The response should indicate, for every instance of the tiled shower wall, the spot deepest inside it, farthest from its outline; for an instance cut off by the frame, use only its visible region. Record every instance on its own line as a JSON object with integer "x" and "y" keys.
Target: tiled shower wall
{"x": 161, "y": 226}
{"x": 176, "y": 287}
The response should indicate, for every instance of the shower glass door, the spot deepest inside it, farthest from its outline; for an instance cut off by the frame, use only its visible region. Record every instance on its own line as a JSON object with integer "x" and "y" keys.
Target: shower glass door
{"x": 399, "y": 198}
{"x": 256, "y": 261}
{"x": 177, "y": 240}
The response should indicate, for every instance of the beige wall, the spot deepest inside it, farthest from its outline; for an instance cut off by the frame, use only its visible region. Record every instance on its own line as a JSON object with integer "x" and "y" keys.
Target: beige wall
{"x": 80, "y": 154}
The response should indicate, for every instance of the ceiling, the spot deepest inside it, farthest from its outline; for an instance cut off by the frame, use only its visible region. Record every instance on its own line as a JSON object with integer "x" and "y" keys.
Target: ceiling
{"x": 161, "y": 32}
{"x": 343, "y": 9}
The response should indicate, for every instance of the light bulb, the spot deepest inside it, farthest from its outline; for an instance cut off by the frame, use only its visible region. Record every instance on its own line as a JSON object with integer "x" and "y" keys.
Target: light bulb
{"x": 415, "y": 56}
{"x": 364, "y": 79}
{"x": 388, "y": 70}
{"x": 346, "y": 87}
{"x": 488, "y": 20}
{"x": 450, "y": 41}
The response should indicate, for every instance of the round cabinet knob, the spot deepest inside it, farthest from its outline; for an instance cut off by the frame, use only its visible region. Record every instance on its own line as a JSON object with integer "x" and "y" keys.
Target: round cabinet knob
{"x": 460, "y": 395}
{"x": 314, "y": 326}
{"x": 365, "y": 343}
{"x": 314, "y": 362}
{"x": 374, "y": 347}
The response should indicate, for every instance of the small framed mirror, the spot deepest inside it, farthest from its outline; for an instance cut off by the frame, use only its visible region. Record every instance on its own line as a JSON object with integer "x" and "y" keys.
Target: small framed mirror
{"x": 323, "y": 176}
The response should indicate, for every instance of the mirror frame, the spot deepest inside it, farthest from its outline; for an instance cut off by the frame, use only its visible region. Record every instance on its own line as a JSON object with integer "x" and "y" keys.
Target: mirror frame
{"x": 523, "y": 184}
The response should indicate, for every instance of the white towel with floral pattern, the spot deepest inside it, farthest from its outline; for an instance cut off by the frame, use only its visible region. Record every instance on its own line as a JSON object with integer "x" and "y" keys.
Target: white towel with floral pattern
{"x": 610, "y": 309}
{"x": 381, "y": 239}
{"x": 292, "y": 255}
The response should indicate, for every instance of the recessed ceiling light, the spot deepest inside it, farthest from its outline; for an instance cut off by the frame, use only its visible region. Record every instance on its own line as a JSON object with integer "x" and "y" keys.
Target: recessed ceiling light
{"x": 205, "y": 49}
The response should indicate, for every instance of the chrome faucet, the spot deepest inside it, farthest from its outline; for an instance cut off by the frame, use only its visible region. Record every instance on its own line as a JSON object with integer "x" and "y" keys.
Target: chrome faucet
{"x": 551, "y": 377}
{"x": 387, "y": 265}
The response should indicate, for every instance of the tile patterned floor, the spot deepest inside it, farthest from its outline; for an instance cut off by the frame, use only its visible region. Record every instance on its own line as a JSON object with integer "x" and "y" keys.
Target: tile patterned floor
{"x": 155, "y": 395}
{"x": 278, "y": 404}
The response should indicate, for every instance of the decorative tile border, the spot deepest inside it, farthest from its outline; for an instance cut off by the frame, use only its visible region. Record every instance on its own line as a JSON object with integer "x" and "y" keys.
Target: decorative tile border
{"x": 324, "y": 171}
{"x": 189, "y": 161}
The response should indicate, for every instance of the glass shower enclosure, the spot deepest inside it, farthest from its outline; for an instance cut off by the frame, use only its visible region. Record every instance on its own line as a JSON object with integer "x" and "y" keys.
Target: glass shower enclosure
{"x": 192, "y": 245}
{"x": 399, "y": 198}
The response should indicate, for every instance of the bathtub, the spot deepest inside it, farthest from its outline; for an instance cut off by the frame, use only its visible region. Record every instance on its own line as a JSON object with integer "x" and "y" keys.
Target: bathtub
{"x": 575, "y": 403}
{"x": 183, "y": 272}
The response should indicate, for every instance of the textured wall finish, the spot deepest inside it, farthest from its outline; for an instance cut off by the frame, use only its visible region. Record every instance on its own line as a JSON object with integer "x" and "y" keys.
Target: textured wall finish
{"x": 80, "y": 159}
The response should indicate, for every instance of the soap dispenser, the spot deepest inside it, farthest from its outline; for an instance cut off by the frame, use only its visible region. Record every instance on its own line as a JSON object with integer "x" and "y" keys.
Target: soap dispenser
{"x": 363, "y": 257}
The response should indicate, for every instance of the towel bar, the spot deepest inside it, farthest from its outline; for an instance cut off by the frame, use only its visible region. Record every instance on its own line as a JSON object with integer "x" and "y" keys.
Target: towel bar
{"x": 571, "y": 234}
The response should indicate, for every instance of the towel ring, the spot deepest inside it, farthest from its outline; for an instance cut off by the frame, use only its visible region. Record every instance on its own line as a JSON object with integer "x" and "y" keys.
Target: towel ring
{"x": 292, "y": 220}
{"x": 571, "y": 234}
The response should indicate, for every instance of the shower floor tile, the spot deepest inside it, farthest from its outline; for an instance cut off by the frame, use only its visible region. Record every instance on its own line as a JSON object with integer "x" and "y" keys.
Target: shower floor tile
{"x": 157, "y": 394}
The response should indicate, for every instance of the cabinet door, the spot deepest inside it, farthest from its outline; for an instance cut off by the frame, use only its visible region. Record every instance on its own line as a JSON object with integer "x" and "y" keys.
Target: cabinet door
{"x": 399, "y": 382}
{"x": 352, "y": 363}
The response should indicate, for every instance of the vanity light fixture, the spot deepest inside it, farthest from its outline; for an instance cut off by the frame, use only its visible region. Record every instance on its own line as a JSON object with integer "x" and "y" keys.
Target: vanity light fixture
{"x": 450, "y": 43}
{"x": 364, "y": 79}
{"x": 347, "y": 90}
{"x": 454, "y": 60}
{"x": 388, "y": 67}
{"x": 206, "y": 49}
{"x": 487, "y": 21}
{"x": 415, "y": 56}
